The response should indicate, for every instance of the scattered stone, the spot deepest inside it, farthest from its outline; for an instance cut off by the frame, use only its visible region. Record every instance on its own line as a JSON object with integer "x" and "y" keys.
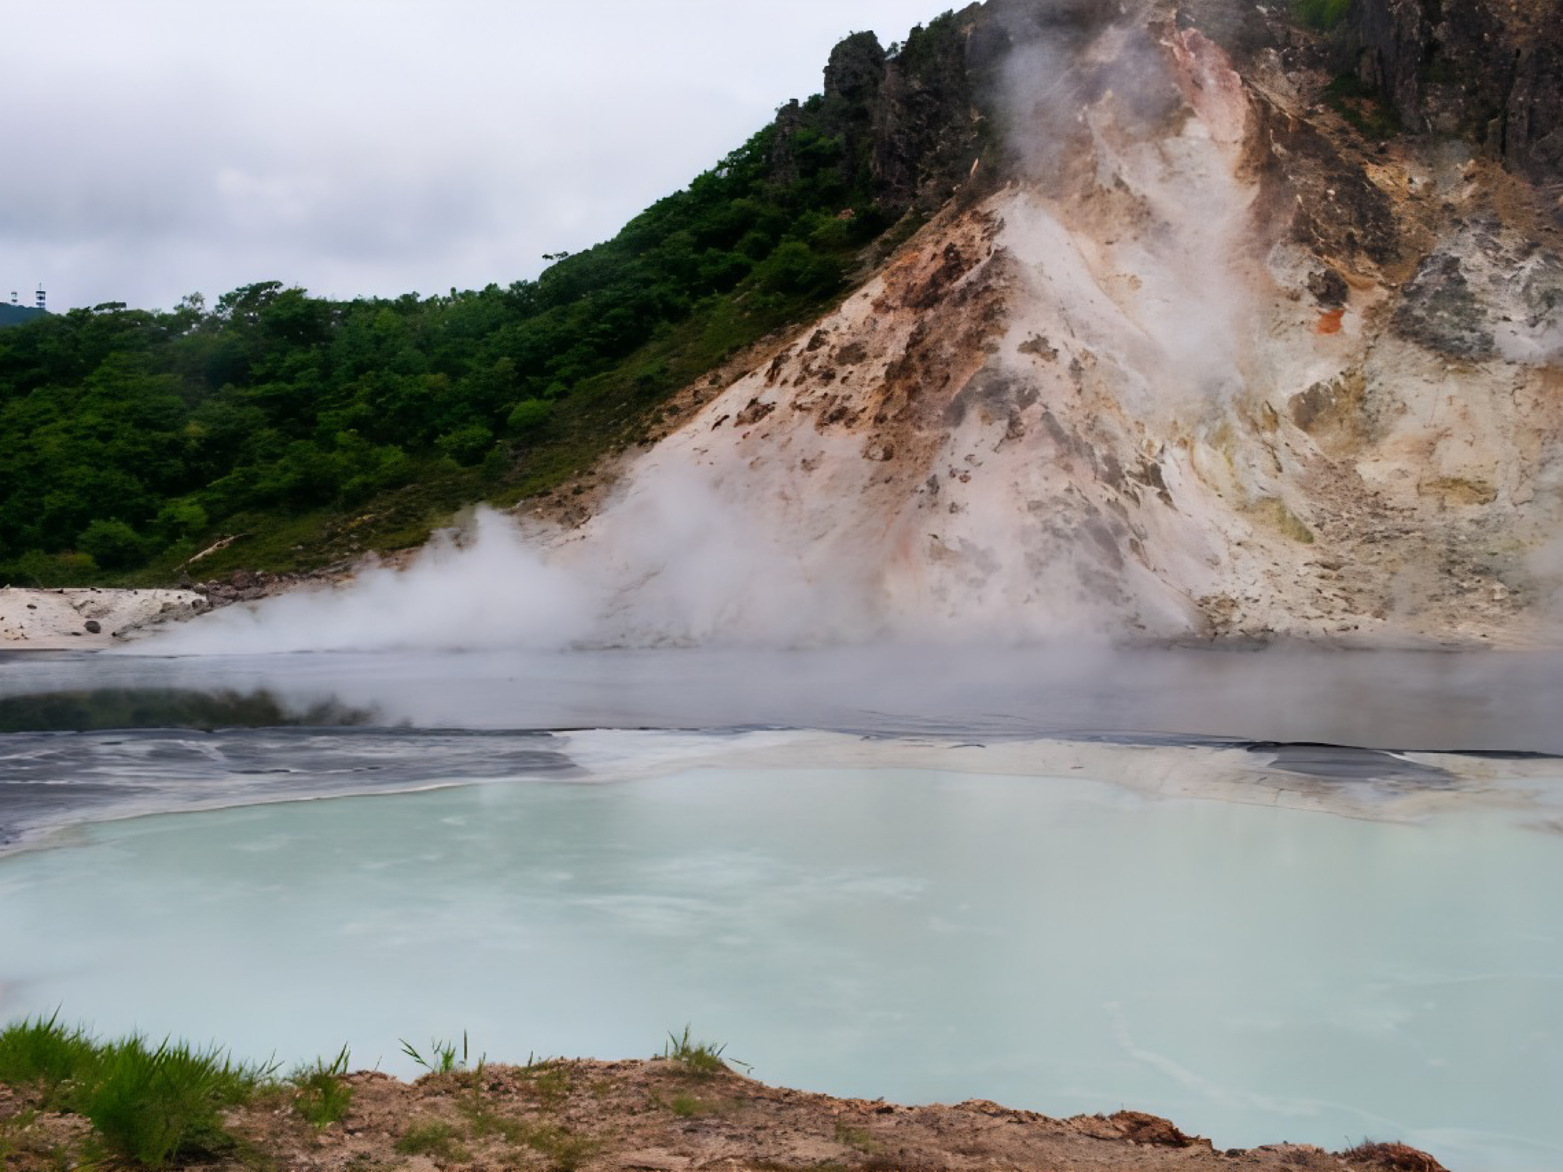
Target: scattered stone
{"x": 753, "y": 413}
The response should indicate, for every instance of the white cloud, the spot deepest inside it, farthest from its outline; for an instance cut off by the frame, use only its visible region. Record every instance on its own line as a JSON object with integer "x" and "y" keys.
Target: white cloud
{"x": 373, "y": 147}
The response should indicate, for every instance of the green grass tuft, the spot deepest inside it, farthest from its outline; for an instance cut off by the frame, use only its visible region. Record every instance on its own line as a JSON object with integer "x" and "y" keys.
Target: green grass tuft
{"x": 431, "y": 1137}
{"x": 149, "y": 1105}
{"x": 687, "y": 1106}
{"x": 442, "y": 1055}
{"x": 549, "y": 1079}
{"x": 856, "y": 1137}
{"x": 563, "y": 1150}
{"x": 157, "y": 1105}
{"x": 321, "y": 1093}
{"x": 42, "y": 1052}
{"x": 697, "y": 1058}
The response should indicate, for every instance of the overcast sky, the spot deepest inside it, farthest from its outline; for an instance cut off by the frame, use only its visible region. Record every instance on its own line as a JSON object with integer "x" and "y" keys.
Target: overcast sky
{"x": 155, "y": 148}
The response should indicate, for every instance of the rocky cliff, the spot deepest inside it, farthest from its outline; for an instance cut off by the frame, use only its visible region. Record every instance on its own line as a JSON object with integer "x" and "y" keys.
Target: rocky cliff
{"x": 1232, "y": 327}
{"x": 1489, "y": 72}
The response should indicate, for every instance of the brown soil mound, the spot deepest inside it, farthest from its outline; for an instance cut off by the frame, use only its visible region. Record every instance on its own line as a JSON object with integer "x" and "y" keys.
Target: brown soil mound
{"x": 659, "y": 1116}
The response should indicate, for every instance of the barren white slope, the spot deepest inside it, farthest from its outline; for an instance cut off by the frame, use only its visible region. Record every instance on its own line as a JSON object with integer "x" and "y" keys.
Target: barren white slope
{"x": 86, "y": 619}
{"x": 1114, "y": 400}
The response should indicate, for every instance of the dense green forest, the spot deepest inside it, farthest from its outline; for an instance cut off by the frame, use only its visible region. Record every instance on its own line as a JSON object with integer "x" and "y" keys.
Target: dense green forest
{"x": 309, "y": 430}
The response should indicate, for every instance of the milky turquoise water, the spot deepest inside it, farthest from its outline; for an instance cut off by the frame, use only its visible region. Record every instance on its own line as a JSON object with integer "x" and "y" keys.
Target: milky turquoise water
{"x": 1059, "y": 944}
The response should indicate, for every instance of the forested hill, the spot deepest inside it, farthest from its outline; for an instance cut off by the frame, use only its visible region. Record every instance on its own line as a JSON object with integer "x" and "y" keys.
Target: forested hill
{"x": 310, "y": 430}
{"x": 15, "y": 315}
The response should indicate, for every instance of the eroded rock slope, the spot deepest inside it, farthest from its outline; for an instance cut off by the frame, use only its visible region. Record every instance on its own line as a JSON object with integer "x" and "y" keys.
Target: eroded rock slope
{"x": 1200, "y": 355}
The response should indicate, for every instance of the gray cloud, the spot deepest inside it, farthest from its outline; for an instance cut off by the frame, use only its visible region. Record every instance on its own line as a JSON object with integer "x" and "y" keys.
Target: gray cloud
{"x": 371, "y": 146}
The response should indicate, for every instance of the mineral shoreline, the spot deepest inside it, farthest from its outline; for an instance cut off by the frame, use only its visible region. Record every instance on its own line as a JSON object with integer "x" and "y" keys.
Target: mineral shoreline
{"x": 660, "y": 1116}
{"x": 96, "y": 618}
{"x": 87, "y": 618}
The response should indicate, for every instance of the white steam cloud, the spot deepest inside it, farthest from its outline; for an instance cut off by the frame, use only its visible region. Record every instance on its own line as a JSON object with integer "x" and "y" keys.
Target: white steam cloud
{"x": 683, "y": 563}
{"x": 670, "y": 562}
{"x": 1135, "y": 133}
{"x": 479, "y": 587}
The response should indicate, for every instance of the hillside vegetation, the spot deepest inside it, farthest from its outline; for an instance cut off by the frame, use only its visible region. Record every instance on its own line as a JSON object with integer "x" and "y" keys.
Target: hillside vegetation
{"x": 14, "y": 315}
{"x": 312, "y": 430}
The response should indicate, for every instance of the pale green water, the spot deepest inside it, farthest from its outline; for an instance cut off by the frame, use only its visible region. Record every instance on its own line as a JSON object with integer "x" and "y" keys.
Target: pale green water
{"x": 1255, "y": 974}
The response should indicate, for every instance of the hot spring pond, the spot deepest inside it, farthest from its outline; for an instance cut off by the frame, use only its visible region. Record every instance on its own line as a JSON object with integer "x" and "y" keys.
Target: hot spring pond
{"x": 1061, "y": 944}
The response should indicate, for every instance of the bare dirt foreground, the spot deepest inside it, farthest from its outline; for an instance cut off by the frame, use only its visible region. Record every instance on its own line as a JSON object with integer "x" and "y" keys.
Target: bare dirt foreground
{"x": 659, "y": 1116}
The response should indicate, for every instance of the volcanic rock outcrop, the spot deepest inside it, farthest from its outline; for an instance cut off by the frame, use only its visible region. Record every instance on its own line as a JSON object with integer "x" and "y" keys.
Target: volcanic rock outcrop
{"x": 1232, "y": 328}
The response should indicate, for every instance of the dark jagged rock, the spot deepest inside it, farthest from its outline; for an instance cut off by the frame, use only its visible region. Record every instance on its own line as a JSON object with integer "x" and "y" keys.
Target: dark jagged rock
{"x": 1492, "y": 73}
{"x": 1334, "y": 209}
{"x": 854, "y": 80}
{"x": 1329, "y": 288}
{"x": 1533, "y": 115}
{"x": 904, "y": 126}
{"x": 854, "y": 73}
{"x": 927, "y": 128}
{"x": 1440, "y": 312}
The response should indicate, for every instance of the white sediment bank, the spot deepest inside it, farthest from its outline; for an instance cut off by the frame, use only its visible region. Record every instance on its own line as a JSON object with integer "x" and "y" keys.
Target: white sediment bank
{"x": 86, "y": 619}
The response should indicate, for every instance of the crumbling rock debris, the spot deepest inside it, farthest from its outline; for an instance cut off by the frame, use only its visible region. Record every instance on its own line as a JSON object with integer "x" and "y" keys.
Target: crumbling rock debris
{"x": 1329, "y": 288}
{"x": 1439, "y": 311}
{"x": 753, "y": 413}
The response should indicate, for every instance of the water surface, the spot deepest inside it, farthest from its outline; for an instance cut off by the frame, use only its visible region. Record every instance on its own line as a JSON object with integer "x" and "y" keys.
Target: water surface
{"x": 1048, "y": 910}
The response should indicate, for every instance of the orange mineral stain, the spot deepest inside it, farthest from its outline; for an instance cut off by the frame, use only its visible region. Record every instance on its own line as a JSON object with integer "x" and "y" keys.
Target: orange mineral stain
{"x": 1329, "y": 321}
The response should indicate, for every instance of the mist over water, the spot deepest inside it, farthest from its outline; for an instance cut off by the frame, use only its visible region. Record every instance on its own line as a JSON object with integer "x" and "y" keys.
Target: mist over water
{"x": 89, "y": 738}
{"x": 927, "y": 872}
{"x": 1384, "y": 699}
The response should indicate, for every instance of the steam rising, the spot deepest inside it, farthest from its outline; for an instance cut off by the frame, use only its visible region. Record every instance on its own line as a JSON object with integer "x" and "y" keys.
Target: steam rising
{"x": 1118, "y": 122}
{"x": 476, "y": 588}
{"x": 669, "y": 563}
{"x": 677, "y": 562}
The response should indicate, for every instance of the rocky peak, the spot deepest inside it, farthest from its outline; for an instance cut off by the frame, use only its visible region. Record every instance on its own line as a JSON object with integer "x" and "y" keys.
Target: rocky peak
{"x": 855, "y": 71}
{"x": 903, "y": 123}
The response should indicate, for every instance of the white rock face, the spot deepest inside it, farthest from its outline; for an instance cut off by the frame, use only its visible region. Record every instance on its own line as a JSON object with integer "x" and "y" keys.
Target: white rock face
{"x": 1163, "y": 388}
{"x": 86, "y": 619}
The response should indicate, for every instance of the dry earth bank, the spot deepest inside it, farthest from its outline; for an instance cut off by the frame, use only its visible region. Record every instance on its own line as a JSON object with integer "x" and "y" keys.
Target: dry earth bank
{"x": 656, "y": 1116}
